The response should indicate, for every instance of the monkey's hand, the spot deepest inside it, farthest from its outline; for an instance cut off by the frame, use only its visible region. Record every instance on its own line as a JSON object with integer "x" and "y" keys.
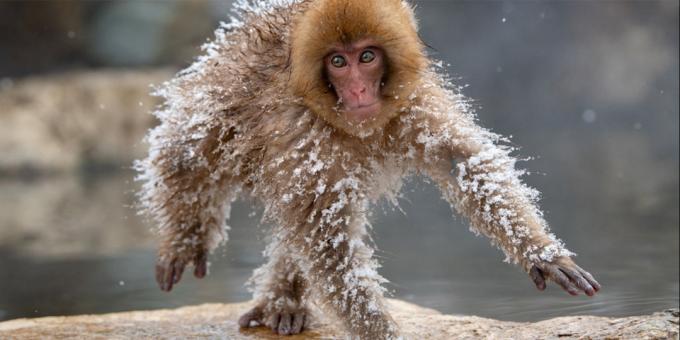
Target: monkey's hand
{"x": 563, "y": 271}
{"x": 170, "y": 266}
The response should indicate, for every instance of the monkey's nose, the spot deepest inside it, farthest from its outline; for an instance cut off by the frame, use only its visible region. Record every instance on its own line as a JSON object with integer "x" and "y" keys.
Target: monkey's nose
{"x": 358, "y": 92}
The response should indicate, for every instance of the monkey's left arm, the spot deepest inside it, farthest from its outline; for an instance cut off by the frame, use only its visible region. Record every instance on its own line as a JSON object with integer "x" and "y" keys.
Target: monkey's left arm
{"x": 486, "y": 188}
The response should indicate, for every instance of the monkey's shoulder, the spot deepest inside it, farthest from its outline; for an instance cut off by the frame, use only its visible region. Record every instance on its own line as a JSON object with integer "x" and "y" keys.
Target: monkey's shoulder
{"x": 261, "y": 34}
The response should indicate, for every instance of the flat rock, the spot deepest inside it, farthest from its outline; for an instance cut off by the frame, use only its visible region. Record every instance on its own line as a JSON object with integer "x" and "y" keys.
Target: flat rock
{"x": 213, "y": 321}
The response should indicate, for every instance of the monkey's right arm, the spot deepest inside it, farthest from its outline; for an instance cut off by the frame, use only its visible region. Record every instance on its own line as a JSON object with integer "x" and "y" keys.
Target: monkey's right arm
{"x": 187, "y": 193}
{"x": 196, "y": 162}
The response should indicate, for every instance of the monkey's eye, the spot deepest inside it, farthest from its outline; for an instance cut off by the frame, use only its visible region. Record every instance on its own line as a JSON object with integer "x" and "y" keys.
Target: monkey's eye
{"x": 367, "y": 56}
{"x": 338, "y": 61}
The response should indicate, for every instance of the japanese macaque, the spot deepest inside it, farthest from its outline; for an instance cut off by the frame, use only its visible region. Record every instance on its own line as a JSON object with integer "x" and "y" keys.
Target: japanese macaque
{"x": 318, "y": 109}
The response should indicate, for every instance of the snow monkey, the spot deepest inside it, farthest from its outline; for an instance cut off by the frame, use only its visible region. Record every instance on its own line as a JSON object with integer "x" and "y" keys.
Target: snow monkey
{"x": 318, "y": 109}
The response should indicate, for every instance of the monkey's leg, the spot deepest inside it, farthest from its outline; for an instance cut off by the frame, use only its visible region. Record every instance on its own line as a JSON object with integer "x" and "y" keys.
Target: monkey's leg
{"x": 280, "y": 293}
{"x": 341, "y": 272}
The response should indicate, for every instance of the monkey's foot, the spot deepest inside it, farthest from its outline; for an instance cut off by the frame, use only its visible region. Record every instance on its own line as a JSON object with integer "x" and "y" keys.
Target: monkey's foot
{"x": 283, "y": 320}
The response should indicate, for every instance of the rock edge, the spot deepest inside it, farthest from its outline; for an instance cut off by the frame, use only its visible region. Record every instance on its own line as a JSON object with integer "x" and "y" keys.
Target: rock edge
{"x": 219, "y": 321}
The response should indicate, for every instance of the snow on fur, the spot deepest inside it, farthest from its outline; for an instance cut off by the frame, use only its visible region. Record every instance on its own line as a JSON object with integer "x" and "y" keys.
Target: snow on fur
{"x": 230, "y": 126}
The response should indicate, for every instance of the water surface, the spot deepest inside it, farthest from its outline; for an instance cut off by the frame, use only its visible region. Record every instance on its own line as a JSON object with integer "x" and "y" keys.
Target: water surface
{"x": 72, "y": 245}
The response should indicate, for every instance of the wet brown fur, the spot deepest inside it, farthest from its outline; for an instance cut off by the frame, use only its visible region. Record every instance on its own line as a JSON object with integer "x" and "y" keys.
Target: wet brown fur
{"x": 256, "y": 117}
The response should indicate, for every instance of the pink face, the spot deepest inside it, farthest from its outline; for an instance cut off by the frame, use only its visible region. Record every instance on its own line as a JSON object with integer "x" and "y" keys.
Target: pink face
{"x": 356, "y": 71}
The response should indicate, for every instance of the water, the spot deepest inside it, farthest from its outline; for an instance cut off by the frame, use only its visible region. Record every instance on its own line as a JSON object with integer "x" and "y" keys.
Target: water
{"x": 72, "y": 245}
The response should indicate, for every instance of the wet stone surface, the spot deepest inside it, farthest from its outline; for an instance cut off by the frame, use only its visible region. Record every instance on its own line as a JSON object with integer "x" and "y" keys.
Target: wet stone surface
{"x": 220, "y": 321}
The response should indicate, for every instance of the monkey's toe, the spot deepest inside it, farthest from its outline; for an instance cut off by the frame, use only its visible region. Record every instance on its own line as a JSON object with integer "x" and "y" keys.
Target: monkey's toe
{"x": 288, "y": 323}
{"x": 298, "y": 322}
{"x": 281, "y": 322}
{"x": 285, "y": 322}
{"x": 252, "y": 318}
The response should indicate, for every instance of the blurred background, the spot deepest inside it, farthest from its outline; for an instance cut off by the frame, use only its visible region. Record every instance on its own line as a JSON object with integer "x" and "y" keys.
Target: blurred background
{"x": 588, "y": 89}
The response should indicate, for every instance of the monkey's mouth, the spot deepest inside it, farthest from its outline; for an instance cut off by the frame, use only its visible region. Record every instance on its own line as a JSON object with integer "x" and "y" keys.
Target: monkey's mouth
{"x": 362, "y": 112}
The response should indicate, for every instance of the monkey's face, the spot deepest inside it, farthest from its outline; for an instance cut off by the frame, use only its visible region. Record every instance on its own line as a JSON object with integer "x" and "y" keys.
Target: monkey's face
{"x": 356, "y": 63}
{"x": 355, "y": 72}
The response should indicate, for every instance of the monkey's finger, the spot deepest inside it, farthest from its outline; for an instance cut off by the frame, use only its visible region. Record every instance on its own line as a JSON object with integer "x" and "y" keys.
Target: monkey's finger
{"x": 160, "y": 272}
{"x": 537, "y": 277}
{"x": 201, "y": 265}
{"x": 178, "y": 269}
{"x": 578, "y": 279}
{"x": 561, "y": 279}
{"x": 168, "y": 276}
{"x": 285, "y": 324}
{"x": 161, "y": 275}
{"x": 298, "y": 323}
{"x": 254, "y": 314}
{"x": 596, "y": 285}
